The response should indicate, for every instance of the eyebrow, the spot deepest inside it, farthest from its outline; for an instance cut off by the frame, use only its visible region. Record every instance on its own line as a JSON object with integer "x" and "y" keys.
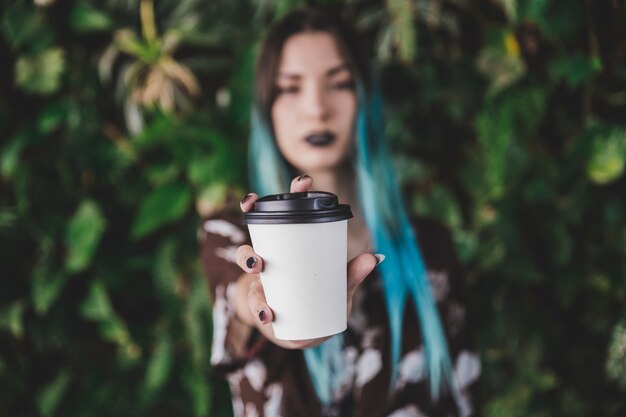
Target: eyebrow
{"x": 334, "y": 70}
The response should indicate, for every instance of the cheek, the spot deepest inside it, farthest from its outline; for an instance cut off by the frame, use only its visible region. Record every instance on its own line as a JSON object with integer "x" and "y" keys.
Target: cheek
{"x": 283, "y": 111}
{"x": 348, "y": 114}
{"x": 282, "y": 120}
{"x": 279, "y": 118}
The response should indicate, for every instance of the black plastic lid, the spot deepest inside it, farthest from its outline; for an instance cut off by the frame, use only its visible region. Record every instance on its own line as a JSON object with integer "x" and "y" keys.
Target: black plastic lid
{"x": 294, "y": 208}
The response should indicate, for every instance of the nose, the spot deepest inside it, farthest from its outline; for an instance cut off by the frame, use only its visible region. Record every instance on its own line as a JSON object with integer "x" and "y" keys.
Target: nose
{"x": 316, "y": 104}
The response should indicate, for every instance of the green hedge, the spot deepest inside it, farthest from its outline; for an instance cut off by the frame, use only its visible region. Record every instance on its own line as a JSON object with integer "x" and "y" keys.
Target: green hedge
{"x": 125, "y": 121}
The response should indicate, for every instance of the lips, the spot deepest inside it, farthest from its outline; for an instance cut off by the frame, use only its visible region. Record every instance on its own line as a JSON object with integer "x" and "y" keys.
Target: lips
{"x": 320, "y": 139}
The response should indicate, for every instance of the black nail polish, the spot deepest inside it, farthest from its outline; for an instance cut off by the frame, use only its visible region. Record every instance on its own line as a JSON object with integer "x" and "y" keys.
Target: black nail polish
{"x": 245, "y": 198}
{"x": 250, "y": 262}
{"x": 262, "y": 315}
{"x": 301, "y": 177}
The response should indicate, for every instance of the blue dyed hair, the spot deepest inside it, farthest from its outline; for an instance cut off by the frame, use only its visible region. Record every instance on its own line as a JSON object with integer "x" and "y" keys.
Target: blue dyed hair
{"x": 403, "y": 273}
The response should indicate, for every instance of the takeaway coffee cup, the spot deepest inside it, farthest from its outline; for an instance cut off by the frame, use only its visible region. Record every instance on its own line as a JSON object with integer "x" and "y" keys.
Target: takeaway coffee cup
{"x": 302, "y": 238}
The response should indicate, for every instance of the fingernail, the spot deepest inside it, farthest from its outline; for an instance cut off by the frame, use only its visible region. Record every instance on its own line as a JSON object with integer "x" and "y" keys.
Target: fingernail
{"x": 262, "y": 315}
{"x": 250, "y": 262}
{"x": 301, "y": 177}
{"x": 379, "y": 258}
{"x": 245, "y": 198}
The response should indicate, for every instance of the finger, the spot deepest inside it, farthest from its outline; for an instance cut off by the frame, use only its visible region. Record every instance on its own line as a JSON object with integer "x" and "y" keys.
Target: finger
{"x": 257, "y": 304}
{"x": 248, "y": 260}
{"x": 359, "y": 268}
{"x": 301, "y": 184}
{"x": 247, "y": 202}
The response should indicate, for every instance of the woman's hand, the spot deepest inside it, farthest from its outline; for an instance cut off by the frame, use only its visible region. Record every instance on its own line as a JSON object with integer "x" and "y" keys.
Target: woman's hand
{"x": 251, "y": 304}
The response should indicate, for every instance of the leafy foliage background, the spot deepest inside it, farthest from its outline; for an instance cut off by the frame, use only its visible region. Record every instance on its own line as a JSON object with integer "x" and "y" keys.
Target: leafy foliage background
{"x": 124, "y": 122}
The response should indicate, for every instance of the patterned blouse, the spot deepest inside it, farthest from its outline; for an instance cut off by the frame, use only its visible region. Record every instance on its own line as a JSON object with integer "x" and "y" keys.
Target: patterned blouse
{"x": 266, "y": 380}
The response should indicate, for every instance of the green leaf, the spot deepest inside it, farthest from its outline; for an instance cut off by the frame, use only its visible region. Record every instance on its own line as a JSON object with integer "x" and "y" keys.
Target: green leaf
{"x": 11, "y": 318}
{"x": 162, "y": 174}
{"x": 46, "y": 288}
{"x": 50, "y": 396}
{"x": 22, "y": 24}
{"x": 8, "y": 218}
{"x": 199, "y": 389}
{"x": 575, "y": 70}
{"x": 510, "y": 8}
{"x": 213, "y": 198}
{"x": 401, "y": 13}
{"x": 503, "y": 68}
{"x": 608, "y": 155}
{"x": 165, "y": 272}
{"x": 160, "y": 364}
{"x": 96, "y": 305}
{"x": 51, "y": 117}
{"x": 197, "y": 310}
{"x": 616, "y": 358}
{"x": 284, "y": 6}
{"x": 439, "y": 204}
{"x": 41, "y": 73}
{"x": 10, "y": 156}
{"x": 83, "y": 235}
{"x": 532, "y": 9}
{"x": 162, "y": 206}
{"x": 84, "y": 18}
{"x": 503, "y": 123}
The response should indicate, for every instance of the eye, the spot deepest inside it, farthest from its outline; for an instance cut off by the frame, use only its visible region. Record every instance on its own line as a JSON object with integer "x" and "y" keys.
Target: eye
{"x": 343, "y": 85}
{"x": 287, "y": 89}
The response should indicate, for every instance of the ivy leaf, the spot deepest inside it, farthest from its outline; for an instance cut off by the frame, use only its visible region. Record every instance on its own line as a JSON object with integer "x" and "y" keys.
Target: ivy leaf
{"x": 49, "y": 397}
{"x": 608, "y": 156}
{"x": 11, "y": 318}
{"x": 401, "y": 13}
{"x": 213, "y": 198}
{"x": 46, "y": 288}
{"x": 41, "y": 73}
{"x": 195, "y": 316}
{"x": 160, "y": 364}
{"x": 164, "y": 205}
{"x": 51, "y": 117}
{"x": 84, "y": 18}
{"x": 200, "y": 391}
{"x": 501, "y": 63}
{"x": 21, "y": 25}
{"x": 83, "y": 235}
{"x": 97, "y": 306}
{"x": 10, "y": 155}
{"x": 441, "y": 205}
{"x": 616, "y": 358}
{"x": 575, "y": 70}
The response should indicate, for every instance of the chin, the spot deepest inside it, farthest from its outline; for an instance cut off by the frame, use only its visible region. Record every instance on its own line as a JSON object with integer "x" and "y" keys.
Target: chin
{"x": 326, "y": 164}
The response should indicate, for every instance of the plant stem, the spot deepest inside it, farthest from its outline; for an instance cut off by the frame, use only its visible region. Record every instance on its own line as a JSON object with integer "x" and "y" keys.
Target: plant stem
{"x": 148, "y": 24}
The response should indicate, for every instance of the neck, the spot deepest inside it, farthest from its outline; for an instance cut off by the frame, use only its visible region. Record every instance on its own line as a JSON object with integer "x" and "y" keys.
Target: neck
{"x": 342, "y": 182}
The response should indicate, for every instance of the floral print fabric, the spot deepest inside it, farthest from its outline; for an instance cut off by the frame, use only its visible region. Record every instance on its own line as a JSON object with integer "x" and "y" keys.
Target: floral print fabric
{"x": 269, "y": 381}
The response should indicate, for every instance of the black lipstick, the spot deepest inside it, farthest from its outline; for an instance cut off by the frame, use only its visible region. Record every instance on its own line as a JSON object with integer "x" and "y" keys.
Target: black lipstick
{"x": 320, "y": 139}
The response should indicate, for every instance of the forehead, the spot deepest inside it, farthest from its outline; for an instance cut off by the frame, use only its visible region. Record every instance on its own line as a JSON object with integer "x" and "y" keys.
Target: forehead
{"x": 309, "y": 53}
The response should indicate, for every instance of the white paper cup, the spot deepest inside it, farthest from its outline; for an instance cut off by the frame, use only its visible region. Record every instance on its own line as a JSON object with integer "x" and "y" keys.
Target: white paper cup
{"x": 302, "y": 238}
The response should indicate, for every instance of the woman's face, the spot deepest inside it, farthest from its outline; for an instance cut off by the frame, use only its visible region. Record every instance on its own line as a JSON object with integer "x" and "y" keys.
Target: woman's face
{"x": 315, "y": 106}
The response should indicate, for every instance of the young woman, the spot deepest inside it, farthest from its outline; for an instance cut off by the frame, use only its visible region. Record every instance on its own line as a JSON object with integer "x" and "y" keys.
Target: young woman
{"x": 406, "y": 352}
